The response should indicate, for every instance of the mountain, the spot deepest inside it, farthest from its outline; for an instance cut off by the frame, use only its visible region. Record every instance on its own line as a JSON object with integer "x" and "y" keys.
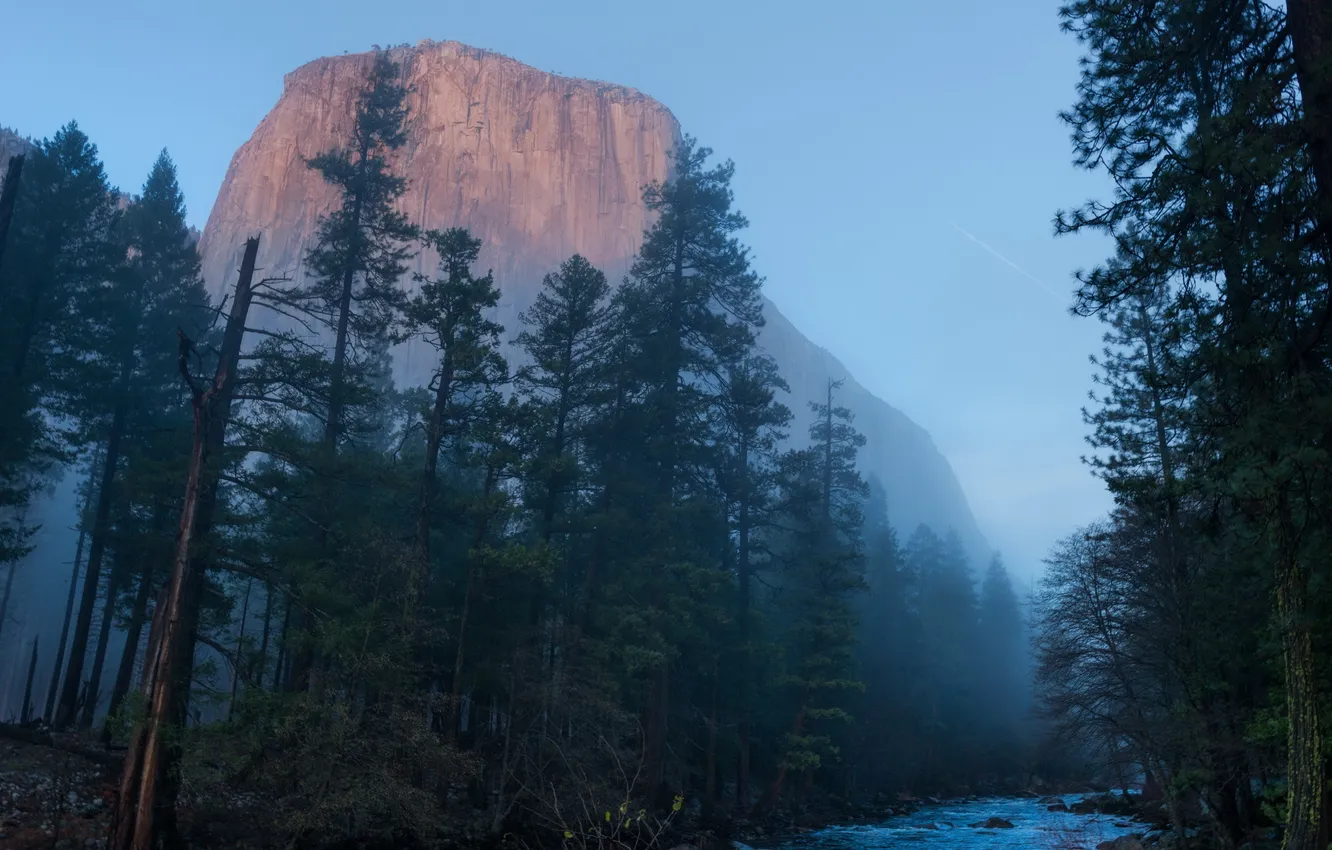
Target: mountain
{"x": 539, "y": 167}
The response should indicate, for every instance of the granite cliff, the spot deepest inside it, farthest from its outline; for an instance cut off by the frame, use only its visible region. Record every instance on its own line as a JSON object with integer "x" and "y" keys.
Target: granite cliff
{"x": 539, "y": 167}
{"x": 11, "y": 143}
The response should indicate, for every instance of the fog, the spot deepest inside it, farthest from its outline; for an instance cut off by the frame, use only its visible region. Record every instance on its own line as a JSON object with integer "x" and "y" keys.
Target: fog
{"x": 621, "y": 555}
{"x": 887, "y": 146}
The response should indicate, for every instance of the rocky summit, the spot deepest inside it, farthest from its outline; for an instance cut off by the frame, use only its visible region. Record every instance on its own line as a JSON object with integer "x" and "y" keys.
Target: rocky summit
{"x": 539, "y": 167}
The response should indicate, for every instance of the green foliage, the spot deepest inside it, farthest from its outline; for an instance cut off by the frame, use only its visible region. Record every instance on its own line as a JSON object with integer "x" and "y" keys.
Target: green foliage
{"x": 556, "y": 601}
{"x": 62, "y": 253}
{"x": 1211, "y": 430}
{"x": 361, "y": 248}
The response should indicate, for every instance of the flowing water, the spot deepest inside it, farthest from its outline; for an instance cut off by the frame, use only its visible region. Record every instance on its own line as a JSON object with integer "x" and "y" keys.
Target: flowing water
{"x": 947, "y": 826}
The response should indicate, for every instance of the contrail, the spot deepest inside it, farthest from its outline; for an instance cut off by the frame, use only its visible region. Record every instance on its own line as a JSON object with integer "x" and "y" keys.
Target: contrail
{"x": 1009, "y": 262}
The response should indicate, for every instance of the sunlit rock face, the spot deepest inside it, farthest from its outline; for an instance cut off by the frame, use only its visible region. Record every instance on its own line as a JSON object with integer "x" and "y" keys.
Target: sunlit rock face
{"x": 539, "y": 167}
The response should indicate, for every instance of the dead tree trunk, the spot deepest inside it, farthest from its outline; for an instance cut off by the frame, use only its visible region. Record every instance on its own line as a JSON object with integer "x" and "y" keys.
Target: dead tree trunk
{"x": 145, "y": 807}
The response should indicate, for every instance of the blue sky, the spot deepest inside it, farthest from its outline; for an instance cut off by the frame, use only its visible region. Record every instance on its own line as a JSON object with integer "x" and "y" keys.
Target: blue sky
{"x": 900, "y": 163}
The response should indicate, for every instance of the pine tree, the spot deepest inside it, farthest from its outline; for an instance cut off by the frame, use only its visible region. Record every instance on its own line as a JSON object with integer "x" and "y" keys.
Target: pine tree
{"x": 449, "y": 314}
{"x": 1001, "y": 669}
{"x": 127, "y": 391}
{"x": 357, "y": 262}
{"x": 947, "y": 610}
{"x": 361, "y": 251}
{"x": 888, "y": 733}
{"x": 689, "y": 306}
{"x": 62, "y": 251}
{"x": 1197, "y": 114}
{"x": 563, "y": 334}
{"x": 822, "y": 571}
{"x": 754, "y": 425}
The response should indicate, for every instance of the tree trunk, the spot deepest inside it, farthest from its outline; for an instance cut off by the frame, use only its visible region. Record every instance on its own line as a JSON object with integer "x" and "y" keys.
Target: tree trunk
{"x": 710, "y": 765}
{"x": 473, "y": 579}
{"x": 302, "y": 655}
{"x": 459, "y": 655}
{"x": 145, "y": 807}
{"x": 54, "y": 689}
{"x": 138, "y": 615}
{"x": 26, "y": 709}
{"x": 240, "y": 649}
{"x": 827, "y": 452}
{"x": 337, "y": 376}
{"x": 94, "y": 685}
{"x": 258, "y": 679}
{"x": 280, "y": 667}
{"x": 742, "y": 616}
{"x": 1304, "y": 759}
{"x": 654, "y": 747}
{"x": 429, "y": 480}
{"x": 501, "y": 805}
{"x": 774, "y": 792}
{"x": 69, "y": 695}
{"x": 1310, "y": 25}
{"x": 8, "y": 196}
{"x": 4, "y": 598}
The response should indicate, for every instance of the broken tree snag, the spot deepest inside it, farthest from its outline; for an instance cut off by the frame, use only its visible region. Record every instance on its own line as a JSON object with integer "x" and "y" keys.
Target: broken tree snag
{"x": 147, "y": 801}
{"x": 8, "y": 195}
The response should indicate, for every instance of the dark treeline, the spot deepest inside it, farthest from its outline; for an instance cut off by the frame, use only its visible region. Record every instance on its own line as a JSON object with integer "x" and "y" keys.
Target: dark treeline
{"x": 1185, "y": 637}
{"x": 571, "y": 599}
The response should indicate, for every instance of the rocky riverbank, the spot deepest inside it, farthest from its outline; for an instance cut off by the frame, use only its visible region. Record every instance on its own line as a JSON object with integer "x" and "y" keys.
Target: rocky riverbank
{"x": 58, "y": 798}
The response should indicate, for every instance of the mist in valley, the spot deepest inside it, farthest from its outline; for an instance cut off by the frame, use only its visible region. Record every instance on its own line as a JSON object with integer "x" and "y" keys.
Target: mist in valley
{"x": 494, "y": 456}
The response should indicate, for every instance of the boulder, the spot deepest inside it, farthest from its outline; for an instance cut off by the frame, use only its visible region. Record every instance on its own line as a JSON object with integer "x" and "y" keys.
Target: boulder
{"x": 1057, "y": 806}
{"x": 1123, "y": 842}
{"x": 993, "y": 823}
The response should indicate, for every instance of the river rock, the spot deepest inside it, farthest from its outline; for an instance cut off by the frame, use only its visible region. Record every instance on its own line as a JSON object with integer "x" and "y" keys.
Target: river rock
{"x": 1123, "y": 842}
{"x": 993, "y": 823}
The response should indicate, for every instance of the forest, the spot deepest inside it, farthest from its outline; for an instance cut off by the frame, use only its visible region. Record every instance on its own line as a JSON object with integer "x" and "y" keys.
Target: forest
{"x": 602, "y": 578}
{"x": 586, "y": 585}
{"x": 1185, "y": 635}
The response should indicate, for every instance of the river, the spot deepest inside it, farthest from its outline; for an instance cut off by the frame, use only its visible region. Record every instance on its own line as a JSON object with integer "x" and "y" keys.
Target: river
{"x": 947, "y": 826}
